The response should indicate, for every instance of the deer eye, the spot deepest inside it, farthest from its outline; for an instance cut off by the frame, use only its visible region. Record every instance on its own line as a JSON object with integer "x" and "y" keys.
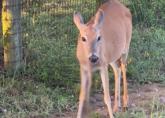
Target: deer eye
{"x": 83, "y": 39}
{"x": 99, "y": 38}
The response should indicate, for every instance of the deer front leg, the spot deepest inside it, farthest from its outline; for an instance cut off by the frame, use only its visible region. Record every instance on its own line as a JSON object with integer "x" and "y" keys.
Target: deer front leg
{"x": 117, "y": 76}
{"x": 84, "y": 92}
{"x": 105, "y": 82}
{"x": 125, "y": 91}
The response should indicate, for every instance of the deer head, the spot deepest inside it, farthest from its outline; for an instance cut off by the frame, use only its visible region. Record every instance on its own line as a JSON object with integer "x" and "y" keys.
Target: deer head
{"x": 90, "y": 35}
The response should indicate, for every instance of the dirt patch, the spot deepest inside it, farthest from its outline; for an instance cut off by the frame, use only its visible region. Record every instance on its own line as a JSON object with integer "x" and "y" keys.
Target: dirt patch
{"x": 140, "y": 97}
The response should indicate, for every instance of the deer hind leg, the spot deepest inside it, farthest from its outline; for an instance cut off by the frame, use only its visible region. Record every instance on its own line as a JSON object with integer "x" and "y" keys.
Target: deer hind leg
{"x": 117, "y": 75}
{"x": 84, "y": 93}
{"x": 105, "y": 83}
{"x": 125, "y": 89}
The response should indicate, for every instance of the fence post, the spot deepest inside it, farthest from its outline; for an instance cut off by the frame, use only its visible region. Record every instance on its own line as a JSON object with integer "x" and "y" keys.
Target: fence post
{"x": 0, "y": 18}
{"x": 11, "y": 29}
{"x": 1, "y": 45}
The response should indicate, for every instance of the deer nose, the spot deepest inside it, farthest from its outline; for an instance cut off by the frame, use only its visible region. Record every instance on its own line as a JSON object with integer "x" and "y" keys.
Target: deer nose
{"x": 93, "y": 58}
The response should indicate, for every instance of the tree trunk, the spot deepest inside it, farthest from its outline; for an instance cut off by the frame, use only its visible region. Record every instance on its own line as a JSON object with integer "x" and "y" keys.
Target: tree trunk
{"x": 11, "y": 26}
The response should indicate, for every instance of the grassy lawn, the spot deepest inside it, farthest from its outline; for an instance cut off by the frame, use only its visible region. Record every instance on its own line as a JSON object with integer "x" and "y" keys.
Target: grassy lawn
{"x": 25, "y": 98}
{"x": 48, "y": 85}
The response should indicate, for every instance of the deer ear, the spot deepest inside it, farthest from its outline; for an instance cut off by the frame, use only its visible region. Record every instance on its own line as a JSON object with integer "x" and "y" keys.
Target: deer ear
{"x": 78, "y": 20}
{"x": 99, "y": 18}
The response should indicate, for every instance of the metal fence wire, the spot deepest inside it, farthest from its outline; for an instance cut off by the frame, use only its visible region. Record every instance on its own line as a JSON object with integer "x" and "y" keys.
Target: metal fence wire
{"x": 48, "y": 25}
{"x": 49, "y": 36}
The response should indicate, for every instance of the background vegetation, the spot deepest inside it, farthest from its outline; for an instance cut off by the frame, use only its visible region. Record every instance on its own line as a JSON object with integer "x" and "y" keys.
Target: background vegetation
{"x": 49, "y": 81}
{"x": 49, "y": 29}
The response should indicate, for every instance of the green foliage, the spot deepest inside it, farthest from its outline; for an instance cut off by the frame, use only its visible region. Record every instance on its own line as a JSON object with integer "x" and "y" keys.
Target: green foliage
{"x": 51, "y": 40}
{"x": 147, "y": 55}
{"x": 148, "y": 12}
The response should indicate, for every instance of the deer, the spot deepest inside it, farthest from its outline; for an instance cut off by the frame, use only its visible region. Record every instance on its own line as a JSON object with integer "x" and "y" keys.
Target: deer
{"x": 102, "y": 42}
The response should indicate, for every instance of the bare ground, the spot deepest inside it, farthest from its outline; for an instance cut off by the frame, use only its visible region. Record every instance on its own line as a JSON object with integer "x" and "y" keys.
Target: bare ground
{"x": 140, "y": 98}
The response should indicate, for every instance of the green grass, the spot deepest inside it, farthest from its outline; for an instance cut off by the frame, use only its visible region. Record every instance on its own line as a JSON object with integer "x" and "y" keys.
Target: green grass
{"x": 146, "y": 60}
{"x": 26, "y": 98}
{"x": 151, "y": 109}
{"x": 51, "y": 67}
{"x": 20, "y": 98}
{"x": 50, "y": 40}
